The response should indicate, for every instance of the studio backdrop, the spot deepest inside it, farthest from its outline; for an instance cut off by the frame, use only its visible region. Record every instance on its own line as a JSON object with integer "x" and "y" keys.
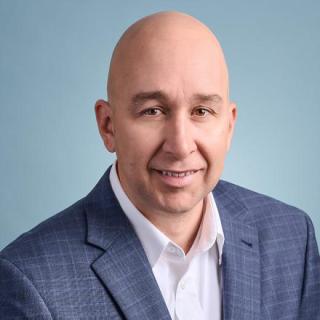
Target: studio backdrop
{"x": 54, "y": 58}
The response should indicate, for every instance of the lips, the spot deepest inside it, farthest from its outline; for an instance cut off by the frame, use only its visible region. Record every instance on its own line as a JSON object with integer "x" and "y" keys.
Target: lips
{"x": 176, "y": 179}
{"x": 177, "y": 174}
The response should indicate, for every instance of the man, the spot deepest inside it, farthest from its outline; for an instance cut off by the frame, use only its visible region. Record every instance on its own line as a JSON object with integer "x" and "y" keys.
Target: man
{"x": 151, "y": 241}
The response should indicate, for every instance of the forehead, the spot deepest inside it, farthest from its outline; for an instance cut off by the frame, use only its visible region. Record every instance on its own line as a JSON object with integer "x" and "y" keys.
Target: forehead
{"x": 141, "y": 97}
{"x": 176, "y": 63}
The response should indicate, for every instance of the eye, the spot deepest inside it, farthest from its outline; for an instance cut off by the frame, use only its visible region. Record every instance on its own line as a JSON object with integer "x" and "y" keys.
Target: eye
{"x": 152, "y": 112}
{"x": 202, "y": 112}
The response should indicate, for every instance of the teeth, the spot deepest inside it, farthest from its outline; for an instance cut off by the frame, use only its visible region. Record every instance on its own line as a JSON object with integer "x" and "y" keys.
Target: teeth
{"x": 176, "y": 174}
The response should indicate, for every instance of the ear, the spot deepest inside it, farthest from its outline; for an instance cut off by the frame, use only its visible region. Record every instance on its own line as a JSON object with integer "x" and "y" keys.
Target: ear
{"x": 104, "y": 117}
{"x": 232, "y": 121}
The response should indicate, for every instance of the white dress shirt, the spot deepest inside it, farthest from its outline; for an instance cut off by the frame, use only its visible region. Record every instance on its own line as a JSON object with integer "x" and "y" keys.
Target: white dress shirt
{"x": 190, "y": 283}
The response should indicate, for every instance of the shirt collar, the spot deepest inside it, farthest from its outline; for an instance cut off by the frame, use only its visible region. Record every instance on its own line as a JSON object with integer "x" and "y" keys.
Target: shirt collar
{"x": 153, "y": 240}
{"x": 210, "y": 230}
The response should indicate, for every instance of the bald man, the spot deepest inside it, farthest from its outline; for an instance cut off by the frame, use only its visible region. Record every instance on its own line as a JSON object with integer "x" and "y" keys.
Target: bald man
{"x": 161, "y": 236}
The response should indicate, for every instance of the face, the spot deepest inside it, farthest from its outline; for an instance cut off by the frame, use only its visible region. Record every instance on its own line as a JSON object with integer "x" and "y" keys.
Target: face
{"x": 170, "y": 125}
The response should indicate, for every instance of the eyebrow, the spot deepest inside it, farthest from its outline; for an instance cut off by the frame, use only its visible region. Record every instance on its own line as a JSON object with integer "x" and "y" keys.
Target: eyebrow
{"x": 215, "y": 98}
{"x": 141, "y": 97}
{"x": 149, "y": 95}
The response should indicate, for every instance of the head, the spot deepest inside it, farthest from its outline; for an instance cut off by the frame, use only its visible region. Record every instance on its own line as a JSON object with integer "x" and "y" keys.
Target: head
{"x": 168, "y": 116}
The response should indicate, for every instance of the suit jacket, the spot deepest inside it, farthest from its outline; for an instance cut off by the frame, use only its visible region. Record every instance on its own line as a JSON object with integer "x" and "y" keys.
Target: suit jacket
{"x": 86, "y": 262}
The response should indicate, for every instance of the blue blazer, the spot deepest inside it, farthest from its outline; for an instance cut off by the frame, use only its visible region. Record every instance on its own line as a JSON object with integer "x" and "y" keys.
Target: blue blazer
{"x": 86, "y": 262}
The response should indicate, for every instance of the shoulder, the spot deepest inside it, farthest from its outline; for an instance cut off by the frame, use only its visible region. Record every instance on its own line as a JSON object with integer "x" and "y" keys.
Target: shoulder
{"x": 263, "y": 211}
{"x": 62, "y": 237}
{"x": 286, "y": 233}
{"x": 65, "y": 228}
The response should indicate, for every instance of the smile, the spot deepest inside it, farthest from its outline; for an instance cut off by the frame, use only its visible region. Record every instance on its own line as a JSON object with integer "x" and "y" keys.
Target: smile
{"x": 177, "y": 174}
{"x": 177, "y": 179}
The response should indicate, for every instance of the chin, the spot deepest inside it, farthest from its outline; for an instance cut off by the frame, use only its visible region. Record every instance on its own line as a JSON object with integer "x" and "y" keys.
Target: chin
{"x": 169, "y": 201}
{"x": 178, "y": 206}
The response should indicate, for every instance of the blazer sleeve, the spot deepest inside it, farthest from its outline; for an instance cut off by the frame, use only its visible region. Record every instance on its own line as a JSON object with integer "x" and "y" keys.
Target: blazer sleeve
{"x": 19, "y": 299}
{"x": 310, "y": 299}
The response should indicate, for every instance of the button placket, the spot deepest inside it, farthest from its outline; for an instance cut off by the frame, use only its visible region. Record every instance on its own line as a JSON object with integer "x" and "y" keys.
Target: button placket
{"x": 183, "y": 284}
{"x": 171, "y": 249}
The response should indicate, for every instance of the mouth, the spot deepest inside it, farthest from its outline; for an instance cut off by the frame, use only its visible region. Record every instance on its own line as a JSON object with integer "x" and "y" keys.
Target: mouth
{"x": 177, "y": 179}
{"x": 177, "y": 174}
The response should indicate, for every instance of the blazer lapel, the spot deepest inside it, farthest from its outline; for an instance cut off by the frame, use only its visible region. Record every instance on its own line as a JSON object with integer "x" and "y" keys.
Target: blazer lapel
{"x": 240, "y": 259}
{"x": 123, "y": 268}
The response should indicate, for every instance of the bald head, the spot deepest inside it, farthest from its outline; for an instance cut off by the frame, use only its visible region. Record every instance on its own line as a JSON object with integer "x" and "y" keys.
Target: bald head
{"x": 168, "y": 110}
{"x": 165, "y": 40}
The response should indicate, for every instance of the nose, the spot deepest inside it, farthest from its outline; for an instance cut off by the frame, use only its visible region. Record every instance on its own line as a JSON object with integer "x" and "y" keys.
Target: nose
{"x": 179, "y": 137}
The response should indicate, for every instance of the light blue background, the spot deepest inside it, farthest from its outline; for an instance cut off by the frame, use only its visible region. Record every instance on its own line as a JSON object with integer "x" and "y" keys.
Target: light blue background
{"x": 53, "y": 65}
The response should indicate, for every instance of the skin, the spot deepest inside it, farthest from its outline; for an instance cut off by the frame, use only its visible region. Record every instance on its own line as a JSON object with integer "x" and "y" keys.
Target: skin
{"x": 168, "y": 109}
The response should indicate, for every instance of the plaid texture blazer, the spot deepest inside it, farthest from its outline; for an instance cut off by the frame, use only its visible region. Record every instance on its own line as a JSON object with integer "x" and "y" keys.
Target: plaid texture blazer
{"x": 87, "y": 263}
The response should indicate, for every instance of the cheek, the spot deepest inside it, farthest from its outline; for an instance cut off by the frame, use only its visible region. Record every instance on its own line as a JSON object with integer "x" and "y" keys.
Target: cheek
{"x": 213, "y": 145}
{"x": 135, "y": 145}
{"x": 216, "y": 137}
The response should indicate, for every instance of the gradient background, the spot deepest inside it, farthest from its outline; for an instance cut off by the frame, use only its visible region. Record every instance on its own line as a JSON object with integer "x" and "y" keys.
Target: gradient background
{"x": 53, "y": 65}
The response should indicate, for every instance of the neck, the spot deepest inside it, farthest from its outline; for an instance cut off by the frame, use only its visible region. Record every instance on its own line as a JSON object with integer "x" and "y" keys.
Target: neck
{"x": 181, "y": 228}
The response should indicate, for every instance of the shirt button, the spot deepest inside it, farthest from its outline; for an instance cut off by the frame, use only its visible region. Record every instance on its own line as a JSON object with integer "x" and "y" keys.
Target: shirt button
{"x": 183, "y": 284}
{"x": 180, "y": 253}
{"x": 172, "y": 249}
